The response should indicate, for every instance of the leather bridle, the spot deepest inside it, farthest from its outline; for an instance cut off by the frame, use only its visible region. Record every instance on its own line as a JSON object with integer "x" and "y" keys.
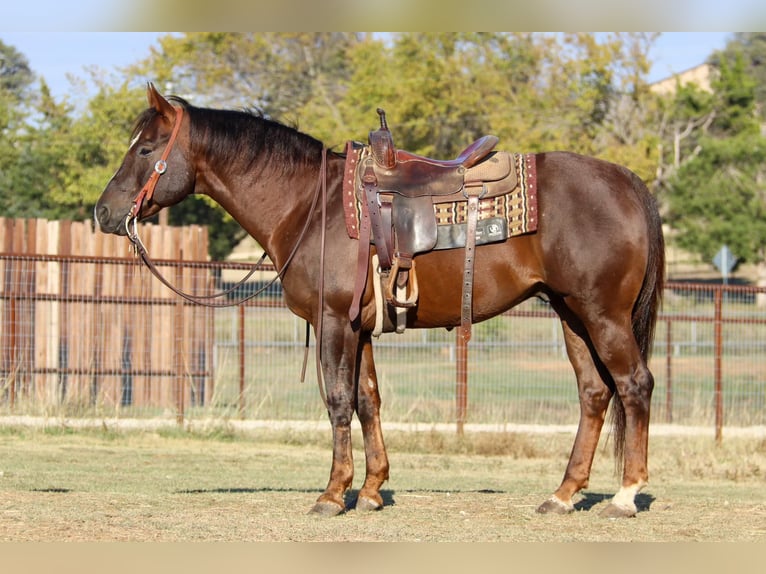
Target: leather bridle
{"x": 160, "y": 167}
{"x": 321, "y": 191}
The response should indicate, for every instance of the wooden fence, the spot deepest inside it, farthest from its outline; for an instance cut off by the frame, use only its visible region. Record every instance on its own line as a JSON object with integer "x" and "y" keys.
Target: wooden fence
{"x": 88, "y": 331}
{"x": 58, "y": 346}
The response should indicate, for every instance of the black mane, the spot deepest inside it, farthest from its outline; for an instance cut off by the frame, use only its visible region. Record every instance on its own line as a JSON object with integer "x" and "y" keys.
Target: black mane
{"x": 242, "y": 137}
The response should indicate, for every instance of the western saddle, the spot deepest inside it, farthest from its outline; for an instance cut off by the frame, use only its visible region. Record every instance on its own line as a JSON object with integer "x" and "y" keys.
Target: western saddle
{"x": 400, "y": 189}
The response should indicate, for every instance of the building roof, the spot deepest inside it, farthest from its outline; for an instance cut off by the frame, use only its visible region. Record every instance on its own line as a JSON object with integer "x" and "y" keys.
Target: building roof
{"x": 700, "y": 75}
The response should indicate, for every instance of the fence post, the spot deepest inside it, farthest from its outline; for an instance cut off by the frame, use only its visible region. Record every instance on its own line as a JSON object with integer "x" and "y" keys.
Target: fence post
{"x": 461, "y": 372}
{"x": 718, "y": 358}
{"x": 9, "y": 325}
{"x": 668, "y": 372}
{"x": 65, "y": 248}
{"x": 241, "y": 355}
{"x": 178, "y": 330}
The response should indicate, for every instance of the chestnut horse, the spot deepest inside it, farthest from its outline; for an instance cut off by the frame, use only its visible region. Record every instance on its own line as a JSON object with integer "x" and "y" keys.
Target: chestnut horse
{"x": 597, "y": 255}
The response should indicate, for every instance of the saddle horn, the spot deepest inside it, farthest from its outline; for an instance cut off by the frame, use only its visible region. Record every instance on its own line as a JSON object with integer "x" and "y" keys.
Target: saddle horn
{"x": 382, "y": 114}
{"x": 382, "y": 143}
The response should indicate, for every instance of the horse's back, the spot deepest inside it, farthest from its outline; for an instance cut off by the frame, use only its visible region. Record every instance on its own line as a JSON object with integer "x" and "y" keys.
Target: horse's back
{"x": 592, "y": 232}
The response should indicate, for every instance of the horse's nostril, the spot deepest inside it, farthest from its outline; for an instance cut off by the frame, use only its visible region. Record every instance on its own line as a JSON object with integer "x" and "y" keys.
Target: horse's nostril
{"x": 102, "y": 214}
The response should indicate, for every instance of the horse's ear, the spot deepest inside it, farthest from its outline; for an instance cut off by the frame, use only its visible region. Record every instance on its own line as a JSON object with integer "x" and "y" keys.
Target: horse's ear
{"x": 158, "y": 102}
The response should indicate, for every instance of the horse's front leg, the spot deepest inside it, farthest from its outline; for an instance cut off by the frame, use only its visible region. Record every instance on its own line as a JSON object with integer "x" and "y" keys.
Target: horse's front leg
{"x": 368, "y": 409}
{"x": 339, "y": 368}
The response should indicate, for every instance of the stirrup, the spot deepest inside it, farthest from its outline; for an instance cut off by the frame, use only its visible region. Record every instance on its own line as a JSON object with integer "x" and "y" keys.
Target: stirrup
{"x": 392, "y": 294}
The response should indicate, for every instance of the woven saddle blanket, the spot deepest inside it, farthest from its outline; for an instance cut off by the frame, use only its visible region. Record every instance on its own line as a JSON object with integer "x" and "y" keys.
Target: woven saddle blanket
{"x": 500, "y": 217}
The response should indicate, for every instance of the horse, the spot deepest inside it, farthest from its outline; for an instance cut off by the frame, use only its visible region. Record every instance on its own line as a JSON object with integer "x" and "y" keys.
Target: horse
{"x": 597, "y": 256}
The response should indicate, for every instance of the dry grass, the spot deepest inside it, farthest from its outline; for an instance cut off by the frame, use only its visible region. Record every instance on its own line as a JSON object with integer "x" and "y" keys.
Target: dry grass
{"x": 229, "y": 486}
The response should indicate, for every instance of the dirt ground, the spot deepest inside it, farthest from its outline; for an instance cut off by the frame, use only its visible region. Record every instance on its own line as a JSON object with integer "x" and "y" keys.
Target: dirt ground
{"x": 103, "y": 485}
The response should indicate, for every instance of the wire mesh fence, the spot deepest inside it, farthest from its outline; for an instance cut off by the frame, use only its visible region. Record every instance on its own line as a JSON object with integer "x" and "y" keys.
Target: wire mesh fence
{"x": 95, "y": 336}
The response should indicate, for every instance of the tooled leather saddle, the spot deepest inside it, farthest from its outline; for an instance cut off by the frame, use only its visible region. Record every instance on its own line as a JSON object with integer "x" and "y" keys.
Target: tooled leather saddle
{"x": 400, "y": 194}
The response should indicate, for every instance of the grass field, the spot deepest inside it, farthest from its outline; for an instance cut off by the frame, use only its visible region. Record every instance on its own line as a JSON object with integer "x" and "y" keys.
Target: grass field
{"x": 58, "y": 484}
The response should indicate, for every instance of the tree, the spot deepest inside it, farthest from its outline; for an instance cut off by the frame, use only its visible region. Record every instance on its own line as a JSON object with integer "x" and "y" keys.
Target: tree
{"x": 83, "y": 151}
{"x": 275, "y": 72}
{"x": 718, "y": 196}
{"x": 684, "y": 119}
{"x": 289, "y": 76}
{"x": 15, "y": 74}
{"x": 39, "y": 168}
{"x": 15, "y": 78}
{"x": 535, "y": 91}
{"x": 627, "y": 135}
{"x": 752, "y": 48}
{"x": 428, "y": 86}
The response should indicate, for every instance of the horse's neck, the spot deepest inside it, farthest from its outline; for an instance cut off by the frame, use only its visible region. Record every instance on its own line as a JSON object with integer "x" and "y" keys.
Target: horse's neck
{"x": 270, "y": 205}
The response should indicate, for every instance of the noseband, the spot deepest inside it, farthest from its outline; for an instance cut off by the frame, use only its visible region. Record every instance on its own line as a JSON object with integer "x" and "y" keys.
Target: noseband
{"x": 160, "y": 167}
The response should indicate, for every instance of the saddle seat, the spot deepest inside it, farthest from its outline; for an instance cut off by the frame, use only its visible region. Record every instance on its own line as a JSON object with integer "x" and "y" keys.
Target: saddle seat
{"x": 412, "y": 175}
{"x": 471, "y": 155}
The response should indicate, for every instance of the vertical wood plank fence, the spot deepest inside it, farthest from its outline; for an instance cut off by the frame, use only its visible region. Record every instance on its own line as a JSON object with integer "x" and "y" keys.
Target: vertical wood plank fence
{"x": 58, "y": 346}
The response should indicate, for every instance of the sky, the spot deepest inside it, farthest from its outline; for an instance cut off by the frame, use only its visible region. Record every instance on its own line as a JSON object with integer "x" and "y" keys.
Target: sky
{"x": 55, "y": 55}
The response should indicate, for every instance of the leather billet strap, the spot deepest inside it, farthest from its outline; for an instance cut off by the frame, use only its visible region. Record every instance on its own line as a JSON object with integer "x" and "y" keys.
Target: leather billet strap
{"x": 363, "y": 256}
{"x": 379, "y": 232}
{"x": 371, "y": 224}
{"x": 160, "y": 167}
{"x": 466, "y": 303}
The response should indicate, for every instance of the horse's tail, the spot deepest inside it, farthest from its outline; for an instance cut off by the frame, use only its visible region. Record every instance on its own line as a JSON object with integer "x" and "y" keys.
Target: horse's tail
{"x": 647, "y": 304}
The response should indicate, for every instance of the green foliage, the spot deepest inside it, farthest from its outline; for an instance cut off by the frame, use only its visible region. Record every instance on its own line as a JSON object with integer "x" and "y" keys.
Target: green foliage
{"x": 275, "y": 72}
{"x": 735, "y": 95}
{"x": 536, "y": 91}
{"x": 751, "y": 47}
{"x": 15, "y": 77}
{"x": 96, "y": 143}
{"x": 719, "y": 198}
{"x": 717, "y": 195}
{"x": 15, "y": 74}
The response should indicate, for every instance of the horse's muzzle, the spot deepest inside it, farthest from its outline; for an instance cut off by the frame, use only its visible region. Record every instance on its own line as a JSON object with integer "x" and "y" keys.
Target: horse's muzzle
{"x": 106, "y": 221}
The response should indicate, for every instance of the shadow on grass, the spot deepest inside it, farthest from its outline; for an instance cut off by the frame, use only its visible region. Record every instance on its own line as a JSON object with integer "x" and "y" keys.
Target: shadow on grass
{"x": 588, "y": 501}
{"x": 591, "y": 499}
{"x": 53, "y": 489}
{"x": 388, "y": 495}
{"x": 349, "y": 498}
{"x": 244, "y": 490}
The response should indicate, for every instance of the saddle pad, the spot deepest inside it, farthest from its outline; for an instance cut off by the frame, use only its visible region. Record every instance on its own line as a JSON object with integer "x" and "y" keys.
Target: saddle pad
{"x": 518, "y": 207}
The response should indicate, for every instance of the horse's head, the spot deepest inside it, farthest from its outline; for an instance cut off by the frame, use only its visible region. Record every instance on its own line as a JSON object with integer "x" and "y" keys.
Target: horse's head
{"x": 155, "y": 172}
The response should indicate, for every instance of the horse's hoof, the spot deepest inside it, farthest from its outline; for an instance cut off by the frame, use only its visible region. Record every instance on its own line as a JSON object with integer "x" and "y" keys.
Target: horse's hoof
{"x": 365, "y": 504}
{"x": 615, "y": 511}
{"x": 328, "y": 509}
{"x": 554, "y": 506}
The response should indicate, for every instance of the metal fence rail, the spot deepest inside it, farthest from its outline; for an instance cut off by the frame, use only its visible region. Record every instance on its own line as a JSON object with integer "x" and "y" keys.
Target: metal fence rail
{"x": 110, "y": 341}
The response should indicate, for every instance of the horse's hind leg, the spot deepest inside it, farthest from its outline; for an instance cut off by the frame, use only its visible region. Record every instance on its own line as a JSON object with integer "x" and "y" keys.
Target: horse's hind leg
{"x": 594, "y": 398}
{"x": 368, "y": 409}
{"x": 634, "y": 383}
{"x": 611, "y": 334}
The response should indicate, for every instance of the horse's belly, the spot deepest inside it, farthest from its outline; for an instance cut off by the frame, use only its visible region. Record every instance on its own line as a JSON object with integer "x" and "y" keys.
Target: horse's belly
{"x": 500, "y": 281}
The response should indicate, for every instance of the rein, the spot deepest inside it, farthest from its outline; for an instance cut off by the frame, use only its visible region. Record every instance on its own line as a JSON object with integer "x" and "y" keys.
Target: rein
{"x": 131, "y": 227}
{"x": 321, "y": 189}
{"x": 146, "y": 193}
{"x": 141, "y": 251}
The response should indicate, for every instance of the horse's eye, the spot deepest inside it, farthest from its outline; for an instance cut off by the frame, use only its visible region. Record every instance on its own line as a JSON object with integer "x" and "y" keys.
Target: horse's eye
{"x": 145, "y": 152}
